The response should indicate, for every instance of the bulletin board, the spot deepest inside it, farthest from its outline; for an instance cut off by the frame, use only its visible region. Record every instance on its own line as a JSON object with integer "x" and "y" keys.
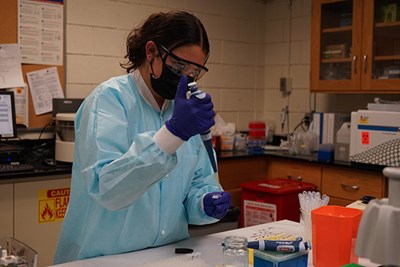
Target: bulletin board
{"x": 9, "y": 35}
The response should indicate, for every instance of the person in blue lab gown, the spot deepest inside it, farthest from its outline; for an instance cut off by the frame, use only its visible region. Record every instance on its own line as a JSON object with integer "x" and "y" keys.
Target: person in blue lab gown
{"x": 141, "y": 173}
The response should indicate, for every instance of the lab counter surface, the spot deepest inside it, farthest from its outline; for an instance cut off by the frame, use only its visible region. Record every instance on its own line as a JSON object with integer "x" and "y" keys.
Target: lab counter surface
{"x": 41, "y": 171}
{"x": 209, "y": 246}
{"x": 313, "y": 158}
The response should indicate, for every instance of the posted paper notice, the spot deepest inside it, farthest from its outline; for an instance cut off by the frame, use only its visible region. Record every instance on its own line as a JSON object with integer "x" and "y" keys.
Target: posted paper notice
{"x": 41, "y": 31}
{"x": 21, "y": 105}
{"x": 44, "y": 85}
{"x": 10, "y": 66}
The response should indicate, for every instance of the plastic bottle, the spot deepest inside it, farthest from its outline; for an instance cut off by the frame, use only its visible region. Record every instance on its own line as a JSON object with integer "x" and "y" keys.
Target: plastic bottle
{"x": 257, "y": 139}
{"x": 235, "y": 252}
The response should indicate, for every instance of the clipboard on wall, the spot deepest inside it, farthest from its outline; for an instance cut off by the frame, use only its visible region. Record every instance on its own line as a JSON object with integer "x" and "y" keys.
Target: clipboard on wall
{"x": 9, "y": 35}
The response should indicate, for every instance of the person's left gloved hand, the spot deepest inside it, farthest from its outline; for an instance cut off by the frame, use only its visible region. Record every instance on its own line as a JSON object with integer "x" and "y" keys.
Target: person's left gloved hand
{"x": 216, "y": 204}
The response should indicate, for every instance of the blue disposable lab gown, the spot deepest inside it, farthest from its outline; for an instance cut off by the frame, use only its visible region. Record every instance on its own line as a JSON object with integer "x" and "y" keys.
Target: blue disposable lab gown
{"x": 126, "y": 193}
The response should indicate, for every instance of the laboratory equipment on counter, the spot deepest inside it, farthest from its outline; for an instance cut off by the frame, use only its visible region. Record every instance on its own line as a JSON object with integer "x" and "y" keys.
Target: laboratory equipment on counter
{"x": 64, "y": 110}
{"x": 257, "y": 139}
{"x": 8, "y": 128}
{"x": 334, "y": 229}
{"x": 342, "y": 144}
{"x": 310, "y": 200}
{"x": 285, "y": 246}
{"x": 65, "y": 137}
{"x": 206, "y": 136}
{"x": 284, "y": 115}
{"x": 235, "y": 252}
{"x": 378, "y": 235}
{"x": 375, "y": 137}
{"x": 16, "y": 253}
{"x": 277, "y": 259}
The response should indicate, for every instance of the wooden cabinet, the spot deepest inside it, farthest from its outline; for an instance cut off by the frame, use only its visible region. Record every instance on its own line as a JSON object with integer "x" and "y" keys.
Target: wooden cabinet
{"x": 355, "y": 46}
{"x": 295, "y": 170}
{"x": 233, "y": 171}
{"x": 344, "y": 186}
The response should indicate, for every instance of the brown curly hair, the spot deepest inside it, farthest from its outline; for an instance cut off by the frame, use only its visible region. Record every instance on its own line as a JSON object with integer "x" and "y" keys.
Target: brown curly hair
{"x": 171, "y": 29}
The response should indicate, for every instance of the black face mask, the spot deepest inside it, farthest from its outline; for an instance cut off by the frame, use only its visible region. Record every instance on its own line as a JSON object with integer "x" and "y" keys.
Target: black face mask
{"x": 167, "y": 84}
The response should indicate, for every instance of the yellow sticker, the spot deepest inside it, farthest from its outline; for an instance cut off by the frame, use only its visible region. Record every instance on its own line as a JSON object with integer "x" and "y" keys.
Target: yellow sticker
{"x": 363, "y": 119}
{"x": 52, "y": 204}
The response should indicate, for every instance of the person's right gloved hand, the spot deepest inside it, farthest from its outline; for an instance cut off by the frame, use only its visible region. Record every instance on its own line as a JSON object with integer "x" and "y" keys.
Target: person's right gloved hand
{"x": 191, "y": 116}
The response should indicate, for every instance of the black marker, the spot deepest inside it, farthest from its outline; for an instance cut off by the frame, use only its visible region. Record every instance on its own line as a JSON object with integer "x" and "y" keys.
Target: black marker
{"x": 183, "y": 250}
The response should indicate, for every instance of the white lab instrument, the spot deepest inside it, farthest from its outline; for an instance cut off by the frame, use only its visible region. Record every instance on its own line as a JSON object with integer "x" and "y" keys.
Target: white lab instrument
{"x": 65, "y": 137}
{"x": 375, "y": 137}
{"x": 16, "y": 253}
{"x": 342, "y": 144}
{"x": 378, "y": 235}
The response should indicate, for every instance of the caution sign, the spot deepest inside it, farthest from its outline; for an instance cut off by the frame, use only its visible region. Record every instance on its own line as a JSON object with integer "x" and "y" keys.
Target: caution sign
{"x": 52, "y": 204}
{"x": 258, "y": 212}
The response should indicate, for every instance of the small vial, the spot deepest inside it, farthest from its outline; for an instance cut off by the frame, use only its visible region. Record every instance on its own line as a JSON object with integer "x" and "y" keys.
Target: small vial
{"x": 235, "y": 253}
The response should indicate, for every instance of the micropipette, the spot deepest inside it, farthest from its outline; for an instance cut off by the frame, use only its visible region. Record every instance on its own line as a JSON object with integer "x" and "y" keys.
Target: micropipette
{"x": 285, "y": 246}
{"x": 206, "y": 136}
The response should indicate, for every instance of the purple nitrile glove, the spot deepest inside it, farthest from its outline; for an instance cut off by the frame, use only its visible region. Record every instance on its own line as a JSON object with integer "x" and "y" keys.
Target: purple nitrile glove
{"x": 191, "y": 116}
{"x": 216, "y": 204}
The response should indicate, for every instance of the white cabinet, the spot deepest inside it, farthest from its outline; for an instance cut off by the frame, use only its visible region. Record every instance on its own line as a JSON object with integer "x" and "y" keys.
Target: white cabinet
{"x": 33, "y": 209}
{"x": 6, "y": 207}
{"x": 41, "y": 234}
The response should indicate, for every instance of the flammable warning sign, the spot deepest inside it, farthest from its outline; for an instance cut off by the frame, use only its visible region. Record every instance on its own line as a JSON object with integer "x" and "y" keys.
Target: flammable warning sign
{"x": 52, "y": 204}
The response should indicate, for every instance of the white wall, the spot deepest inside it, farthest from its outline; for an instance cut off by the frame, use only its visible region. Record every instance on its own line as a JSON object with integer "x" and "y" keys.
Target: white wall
{"x": 253, "y": 44}
{"x": 287, "y": 45}
{"x": 95, "y": 44}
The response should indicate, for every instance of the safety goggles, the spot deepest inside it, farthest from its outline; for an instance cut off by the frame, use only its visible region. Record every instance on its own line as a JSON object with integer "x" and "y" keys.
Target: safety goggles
{"x": 182, "y": 66}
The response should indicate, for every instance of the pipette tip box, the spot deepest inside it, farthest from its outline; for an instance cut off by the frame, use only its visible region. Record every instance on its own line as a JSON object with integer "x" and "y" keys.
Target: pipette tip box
{"x": 278, "y": 259}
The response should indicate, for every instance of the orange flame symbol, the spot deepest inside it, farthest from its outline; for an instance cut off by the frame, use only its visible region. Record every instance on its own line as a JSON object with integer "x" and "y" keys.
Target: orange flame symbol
{"x": 47, "y": 213}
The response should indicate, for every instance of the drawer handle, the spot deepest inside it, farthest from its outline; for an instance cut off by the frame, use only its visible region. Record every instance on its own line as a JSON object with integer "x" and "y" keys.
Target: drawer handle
{"x": 297, "y": 178}
{"x": 350, "y": 187}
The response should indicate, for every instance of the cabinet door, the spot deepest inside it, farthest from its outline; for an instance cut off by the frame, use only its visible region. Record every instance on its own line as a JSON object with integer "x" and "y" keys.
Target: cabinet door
{"x": 7, "y": 213}
{"x": 234, "y": 171}
{"x": 30, "y": 228}
{"x": 294, "y": 170}
{"x": 352, "y": 185}
{"x": 339, "y": 201}
{"x": 381, "y": 37}
{"x": 336, "y": 47}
